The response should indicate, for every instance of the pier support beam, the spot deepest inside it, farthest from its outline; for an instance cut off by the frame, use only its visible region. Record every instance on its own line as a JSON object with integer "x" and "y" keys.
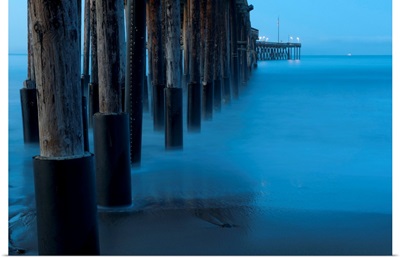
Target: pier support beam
{"x": 225, "y": 50}
{"x": 65, "y": 206}
{"x": 217, "y": 56}
{"x": 86, "y": 48}
{"x": 112, "y": 162}
{"x": 157, "y": 62}
{"x": 28, "y": 96}
{"x": 234, "y": 49}
{"x": 173, "y": 91}
{"x": 29, "y": 112}
{"x": 65, "y": 197}
{"x": 110, "y": 127}
{"x": 209, "y": 62}
{"x": 94, "y": 84}
{"x": 135, "y": 71}
{"x": 194, "y": 89}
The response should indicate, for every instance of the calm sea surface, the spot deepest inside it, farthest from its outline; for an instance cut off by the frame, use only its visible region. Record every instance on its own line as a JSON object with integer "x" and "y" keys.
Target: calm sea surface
{"x": 309, "y": 135}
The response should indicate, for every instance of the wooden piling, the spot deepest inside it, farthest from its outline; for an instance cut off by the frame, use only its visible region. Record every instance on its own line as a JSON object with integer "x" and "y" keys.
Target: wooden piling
{"x": 109, "y": 18}
{"x": 208, "y": 78}
{"x": 94, "y": 84}
{"x": 122, "y": 60}
{"x": 86, "y": 45}
{"x": 194, "y": 89}
{"x": 85, "y": 115}
{"x": 157, "y": 63}
{"x": 225, "y": 50}
{"x": 234, "y": 57}
{"x": 63, "y": 170}
{"x": 243, "y": 52}
{"x": 173, "y": 90}
{"x": 28, "y": 95}
{"x": 58, "y": 78}
{"x": 85, "y": 78}
{"x": 31, "y": 66}
{"x": 203, "y": 12}
{"x": 79, "y": 3}
{"x": 29, "y": 112}
{"x": 135, "y": 71}
{"x": 185, "y": 41}
{"x": 111, "y": 132}
{"x": 217, "y": 57}
{"x": 93, "y": 41}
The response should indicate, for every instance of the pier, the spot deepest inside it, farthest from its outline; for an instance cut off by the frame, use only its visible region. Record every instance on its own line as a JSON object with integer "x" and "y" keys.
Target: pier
{"x": 199, "y": 52}
{"x": 278, "y": 51}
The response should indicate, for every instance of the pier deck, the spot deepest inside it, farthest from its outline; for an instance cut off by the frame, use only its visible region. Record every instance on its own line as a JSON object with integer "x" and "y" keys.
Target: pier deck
{"x": 278, "y": 50}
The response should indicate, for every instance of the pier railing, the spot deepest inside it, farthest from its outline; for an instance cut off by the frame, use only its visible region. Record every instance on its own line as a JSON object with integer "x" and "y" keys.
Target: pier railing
{"x": 278, "y": 51}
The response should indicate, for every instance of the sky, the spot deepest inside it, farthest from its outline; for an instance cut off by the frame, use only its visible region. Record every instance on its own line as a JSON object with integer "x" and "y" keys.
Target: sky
{"x": 327, "y": 26}
{"x": 323, "y": 26}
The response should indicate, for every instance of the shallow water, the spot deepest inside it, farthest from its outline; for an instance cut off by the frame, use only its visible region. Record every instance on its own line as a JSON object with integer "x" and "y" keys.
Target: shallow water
{"x": 307, "y": 146}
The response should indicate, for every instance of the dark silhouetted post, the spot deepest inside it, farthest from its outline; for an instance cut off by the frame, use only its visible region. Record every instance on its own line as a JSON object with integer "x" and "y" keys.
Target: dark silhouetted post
{"x": 217, "y": 56}
{"x": 63, "y": 172}
{"x": 185, "y": 38}
{"x": 135, "y": 71}
{"x": 225, "y": 50}
{"x": 28, "y": 96}
{"x": 235, "y": 59}
{"x": 173, "y": 91}
{"x": 203, "y": 11}
{"x": 194, "y": 89}
{"x": 157, "y": 62}
{"x": 86, "y": 47}
{"x": 244, "y": 48}
{"x": 85, "y": 78}
{"x": 94, "y": 84}
{"x": 208, "y": 89}
{"x": 111, "y": 126}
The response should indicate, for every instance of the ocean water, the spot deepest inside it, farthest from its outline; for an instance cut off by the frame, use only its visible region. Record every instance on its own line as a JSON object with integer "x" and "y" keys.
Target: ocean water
{"x": 301, "y": 163}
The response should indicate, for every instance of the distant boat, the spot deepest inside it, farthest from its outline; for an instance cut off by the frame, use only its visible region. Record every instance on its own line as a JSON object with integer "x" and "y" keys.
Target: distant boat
{"x": 349, "y": 54}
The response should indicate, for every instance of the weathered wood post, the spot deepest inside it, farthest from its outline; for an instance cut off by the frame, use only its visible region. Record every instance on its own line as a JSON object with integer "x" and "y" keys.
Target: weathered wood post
{"x": 247, "y": 39}
{"x": 157, "y": 63}
{"x": 147, "y": 71}
{"x": 86, "y": 47}
{"x": 173, "y": 91}
{"x": 194, "y": 89}
{"x": 244, "y": 54}
{"x": 225, "y": 50}
{"x": 28, "y": 96}
{"x": 85, "y": 78}
{"x": 63, "y": 172}
{"x": 203, "y": 11}
{"x": 217, "y": 56}
{"x": 111, "y": 125}
{"x": 241, "y": 45}
{"x": 208, "y": 87}
{"x": 235, "y": 59}
{"x": 185, "y": 38}
{"x": 135, "y": 71}
{"x": 94, "y": 84}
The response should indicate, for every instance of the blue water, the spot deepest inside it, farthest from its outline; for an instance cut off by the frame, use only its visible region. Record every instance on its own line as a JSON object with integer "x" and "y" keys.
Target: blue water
{"x": 313, "y": 135}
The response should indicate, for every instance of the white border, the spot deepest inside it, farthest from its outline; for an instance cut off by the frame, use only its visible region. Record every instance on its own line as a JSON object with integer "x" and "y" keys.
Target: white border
{"x": 4, "y": 126}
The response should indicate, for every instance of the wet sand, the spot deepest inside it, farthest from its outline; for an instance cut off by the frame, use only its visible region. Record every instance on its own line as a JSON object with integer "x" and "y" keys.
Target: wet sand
{"x": 203, "y": 227}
